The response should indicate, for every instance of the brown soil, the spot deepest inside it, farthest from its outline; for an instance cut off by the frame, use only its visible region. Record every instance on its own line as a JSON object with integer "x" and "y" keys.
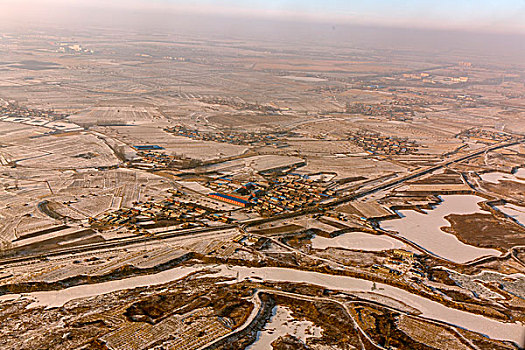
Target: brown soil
{"x": 288, "y": 342}
{"x": 509, "y": 189}
{"x": 338, "y": 331}
{"x": 225, "y": 302}
{"x": 484, "y": 230}
{"x": 441, "y": 276}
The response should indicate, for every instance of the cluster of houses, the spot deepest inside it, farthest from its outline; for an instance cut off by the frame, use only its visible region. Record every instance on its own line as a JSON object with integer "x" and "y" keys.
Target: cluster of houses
{"x": 390, "y": 111}
{"x": 168, "y": 212}
{"x": 235, "y": 138}
{"x": 272, "y": 196}
{"x": 376, "y": 143}
{"x": 485, "y": 136}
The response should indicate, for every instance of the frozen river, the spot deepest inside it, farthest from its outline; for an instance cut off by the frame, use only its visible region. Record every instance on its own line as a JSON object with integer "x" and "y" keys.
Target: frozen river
{"x": 425, "y": 229}
{"x": 428, "y": 308}
{"x": 60, "y": 297}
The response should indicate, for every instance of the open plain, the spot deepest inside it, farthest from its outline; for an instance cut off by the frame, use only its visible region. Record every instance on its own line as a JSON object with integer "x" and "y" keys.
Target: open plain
{"x": 180, "y": 191}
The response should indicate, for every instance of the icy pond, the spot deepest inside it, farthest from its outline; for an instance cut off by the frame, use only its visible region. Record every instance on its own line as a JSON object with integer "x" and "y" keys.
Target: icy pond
{"x": 359, "y": 240}
{"x": 514, "y": 211}
{"x": 430, "y": 309}
{"x": 495, "y": 177}
{"x": 280, "y": 324}
{"x": 425, "y": 229}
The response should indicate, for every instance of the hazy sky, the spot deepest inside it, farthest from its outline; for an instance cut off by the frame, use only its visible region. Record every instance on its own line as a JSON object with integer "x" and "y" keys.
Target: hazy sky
{"x": 483, "y": 15}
